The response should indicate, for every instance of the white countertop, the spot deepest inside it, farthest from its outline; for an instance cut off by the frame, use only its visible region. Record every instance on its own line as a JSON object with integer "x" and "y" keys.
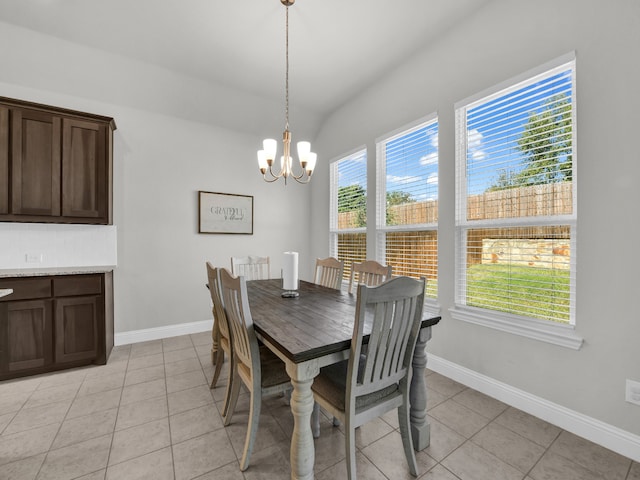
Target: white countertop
{"x": 39, "y": 272}
{"x": 5, "y": 291}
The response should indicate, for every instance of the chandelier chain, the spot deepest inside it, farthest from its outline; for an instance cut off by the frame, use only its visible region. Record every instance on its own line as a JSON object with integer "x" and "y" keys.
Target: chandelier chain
{"x": 287, "y": 68}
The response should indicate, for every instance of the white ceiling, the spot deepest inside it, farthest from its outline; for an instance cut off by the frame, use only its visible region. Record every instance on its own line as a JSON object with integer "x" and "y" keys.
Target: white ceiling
{"x": 337, "y": 48}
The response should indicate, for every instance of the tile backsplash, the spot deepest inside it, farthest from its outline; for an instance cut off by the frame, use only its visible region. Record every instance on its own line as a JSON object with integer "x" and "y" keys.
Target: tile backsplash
{"x": 38, "y": 245}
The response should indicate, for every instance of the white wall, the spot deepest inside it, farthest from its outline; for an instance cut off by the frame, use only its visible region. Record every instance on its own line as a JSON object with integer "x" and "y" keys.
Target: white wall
{"x": 161, "y": 160}
{"x": 37, "y": 246}
{"x": 503, "y": 40}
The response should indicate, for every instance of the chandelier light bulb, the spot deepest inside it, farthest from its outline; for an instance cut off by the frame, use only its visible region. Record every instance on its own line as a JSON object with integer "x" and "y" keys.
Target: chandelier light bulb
{"x": 270, "y": 148}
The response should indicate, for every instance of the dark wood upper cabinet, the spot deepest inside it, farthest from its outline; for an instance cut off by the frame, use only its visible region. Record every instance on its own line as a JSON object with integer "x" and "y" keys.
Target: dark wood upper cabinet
{"x": 84, "y": 169}
{"x": 35, "y": 163}
{"x": 55, "y": 164}
{"x": 4, "y": 160}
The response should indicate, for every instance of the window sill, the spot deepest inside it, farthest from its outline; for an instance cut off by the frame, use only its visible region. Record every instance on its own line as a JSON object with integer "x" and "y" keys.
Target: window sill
{"x": 562, "y": 335}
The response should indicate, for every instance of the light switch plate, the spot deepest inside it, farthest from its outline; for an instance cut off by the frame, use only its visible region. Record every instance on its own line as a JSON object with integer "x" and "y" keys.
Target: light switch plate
{"x": 33, "y": 257}
{"x": 632, "y": 393}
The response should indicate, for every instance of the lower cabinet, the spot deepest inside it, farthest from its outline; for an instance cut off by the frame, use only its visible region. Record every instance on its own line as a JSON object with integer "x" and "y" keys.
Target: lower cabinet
{"x": 55, "y": 322}
{"x": 28, "y": 329}
{"x": 76, "y": 324}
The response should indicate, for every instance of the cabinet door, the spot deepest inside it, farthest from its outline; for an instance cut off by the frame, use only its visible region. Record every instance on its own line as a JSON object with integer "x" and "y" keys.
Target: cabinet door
{"x": 4, "y": 160}
{"x": 84, "y": 169}
{"x": 77, "y": 320}
{"x": 28, "y": 340}
{"x": 35, "y": 163}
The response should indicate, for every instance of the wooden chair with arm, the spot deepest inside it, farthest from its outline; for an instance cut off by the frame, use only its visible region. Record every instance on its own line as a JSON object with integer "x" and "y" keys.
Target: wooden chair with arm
{"x": 220, "y": 331}
{"x": 368, "y": 385}
{"x": 251, "y": 267}
{"x": 328, "y": 272}
{"x": 261, "y": 371}
{"x": 369, "y": 272}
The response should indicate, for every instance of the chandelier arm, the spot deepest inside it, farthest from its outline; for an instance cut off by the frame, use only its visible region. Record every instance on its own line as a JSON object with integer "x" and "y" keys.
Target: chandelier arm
{"x": 264, "y": 177}
{"x": 279, "y": 175}
{"x": 297, "y": 179}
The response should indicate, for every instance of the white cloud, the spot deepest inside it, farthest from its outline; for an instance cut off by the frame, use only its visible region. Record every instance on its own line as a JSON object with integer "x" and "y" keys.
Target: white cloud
{"x": 432, "y": 179}
{"x": 429, "y": 159}
{"x": 474, "y": 144}
{"x": 403, "y": 180}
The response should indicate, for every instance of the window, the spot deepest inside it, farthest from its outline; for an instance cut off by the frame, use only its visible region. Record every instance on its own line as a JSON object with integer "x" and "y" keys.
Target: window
{"x": 349, "y": 209}
{"x": 515, "y": 206}
{"x": 407, "y": 202}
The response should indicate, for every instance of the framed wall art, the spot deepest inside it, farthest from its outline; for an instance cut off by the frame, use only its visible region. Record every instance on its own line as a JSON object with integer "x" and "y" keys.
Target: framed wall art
{"x": 225, "y": 213}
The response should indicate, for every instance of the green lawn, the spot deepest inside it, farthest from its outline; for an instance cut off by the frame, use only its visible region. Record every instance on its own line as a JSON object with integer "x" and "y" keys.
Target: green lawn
{"x": 529, "y": 291}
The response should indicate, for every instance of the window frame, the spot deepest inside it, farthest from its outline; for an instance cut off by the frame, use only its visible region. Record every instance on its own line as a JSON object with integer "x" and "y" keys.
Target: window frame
{"x": 544, "y": 330}
{"x": 431, "y": 305}
{"x": 334, "y": 230}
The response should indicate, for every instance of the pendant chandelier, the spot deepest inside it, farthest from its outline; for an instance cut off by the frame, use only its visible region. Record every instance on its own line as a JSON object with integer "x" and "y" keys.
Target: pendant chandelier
{"x": 267, "y": 155}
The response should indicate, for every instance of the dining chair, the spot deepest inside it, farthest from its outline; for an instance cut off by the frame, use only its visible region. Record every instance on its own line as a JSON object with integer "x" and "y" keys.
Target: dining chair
{"x": 261, "y": 371}
{"x": 251, "y": 267}
{"x": 369, "y": 272}
{"x": 328, "y": 272}
{"x": 220, "y": 331}
{"x": 368, "y": 385}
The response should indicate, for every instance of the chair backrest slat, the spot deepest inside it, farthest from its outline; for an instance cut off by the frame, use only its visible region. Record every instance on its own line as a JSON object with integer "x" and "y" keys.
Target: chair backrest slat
{"x": 370, "y": 273}
{"x": 236, "y": 305}
{"x": 251, "y": 267}
{"x": 329, "y": 272}
{"x": 395, "y": 311}
{"x": 219, "y": 315}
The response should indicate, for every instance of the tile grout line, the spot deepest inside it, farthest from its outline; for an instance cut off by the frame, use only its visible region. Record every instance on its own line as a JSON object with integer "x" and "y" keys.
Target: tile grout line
{"x": 113, "y": 433}
{"x": 544, "y": 453}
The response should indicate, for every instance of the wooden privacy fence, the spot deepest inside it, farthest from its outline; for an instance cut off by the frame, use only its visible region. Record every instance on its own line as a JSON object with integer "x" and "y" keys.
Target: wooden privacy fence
{"x": 533, "y": 201}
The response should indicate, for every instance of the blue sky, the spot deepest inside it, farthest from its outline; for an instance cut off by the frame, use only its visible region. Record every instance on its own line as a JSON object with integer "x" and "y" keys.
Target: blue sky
{"x": 412, "y": 164}
{"x": 493, "y": 129}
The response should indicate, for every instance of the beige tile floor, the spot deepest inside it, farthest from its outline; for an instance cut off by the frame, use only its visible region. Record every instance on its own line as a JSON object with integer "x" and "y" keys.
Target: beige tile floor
{"x": 150, "y": 414}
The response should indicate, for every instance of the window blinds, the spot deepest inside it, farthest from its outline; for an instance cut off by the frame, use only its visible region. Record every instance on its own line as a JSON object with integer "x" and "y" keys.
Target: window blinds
{"x": 408, "y": 202}
{"x": 515, "y": 200}
{"x": 349, "y": 209}
{"x": 411, "y": 176}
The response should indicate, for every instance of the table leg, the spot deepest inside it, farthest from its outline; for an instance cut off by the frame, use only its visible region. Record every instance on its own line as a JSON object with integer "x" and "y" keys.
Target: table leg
{"x": 420, "y": 428}
{"x": 302, "y": 447}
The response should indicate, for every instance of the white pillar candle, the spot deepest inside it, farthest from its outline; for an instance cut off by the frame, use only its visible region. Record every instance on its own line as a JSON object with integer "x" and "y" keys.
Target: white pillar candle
{"x": 290, "y": 271}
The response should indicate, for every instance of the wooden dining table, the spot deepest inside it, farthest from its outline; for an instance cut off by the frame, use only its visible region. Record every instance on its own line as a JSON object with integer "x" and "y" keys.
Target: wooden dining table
{"x": 314, "y": 330}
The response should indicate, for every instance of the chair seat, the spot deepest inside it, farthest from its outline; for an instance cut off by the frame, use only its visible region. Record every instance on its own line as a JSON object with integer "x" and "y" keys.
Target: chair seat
{"x": 331, "y": 384}
{"x": 273, "y": 369}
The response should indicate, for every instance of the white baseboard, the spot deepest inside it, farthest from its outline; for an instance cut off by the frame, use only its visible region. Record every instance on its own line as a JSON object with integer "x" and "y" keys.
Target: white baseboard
{"x": 608, "y": 436}
{"x": 156, "y": 333}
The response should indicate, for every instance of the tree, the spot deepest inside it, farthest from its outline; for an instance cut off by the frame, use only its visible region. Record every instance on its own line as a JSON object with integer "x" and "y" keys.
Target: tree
{"x": 398, "y": 198}
{"x": 394, "y": 198}
{"x": 545, "y": 144}
{"x": 353, "y": 198}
